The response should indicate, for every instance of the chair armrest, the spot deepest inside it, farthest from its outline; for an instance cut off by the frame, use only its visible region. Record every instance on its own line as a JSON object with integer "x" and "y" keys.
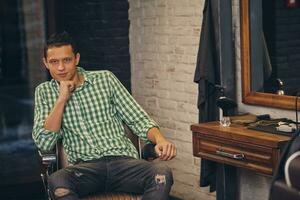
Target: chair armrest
{"x": 48, "y": 161}
{"x": 48, "y": 158}
{"x": 48, "y": 166}
{"x": 148, "y": 152}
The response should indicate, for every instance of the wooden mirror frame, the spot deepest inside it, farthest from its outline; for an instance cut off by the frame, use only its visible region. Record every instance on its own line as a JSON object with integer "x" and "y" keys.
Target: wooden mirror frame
{"x": 248, "y": 96}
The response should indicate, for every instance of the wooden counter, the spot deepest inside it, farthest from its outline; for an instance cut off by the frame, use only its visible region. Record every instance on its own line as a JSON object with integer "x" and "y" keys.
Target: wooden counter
{"x": 238, "y": 146}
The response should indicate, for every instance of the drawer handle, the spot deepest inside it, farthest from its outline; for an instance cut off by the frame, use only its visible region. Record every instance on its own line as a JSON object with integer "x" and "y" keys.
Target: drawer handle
{"x": 239, "y": 156}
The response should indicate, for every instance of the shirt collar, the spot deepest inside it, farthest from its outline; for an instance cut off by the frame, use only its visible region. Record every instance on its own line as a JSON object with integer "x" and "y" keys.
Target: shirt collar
{"x": 87, "y": 78}
{"x": 80, "y": 70}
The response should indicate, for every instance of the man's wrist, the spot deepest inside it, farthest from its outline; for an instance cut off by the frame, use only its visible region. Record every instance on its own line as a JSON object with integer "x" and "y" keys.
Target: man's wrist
{"x": 61, "y": 100}
{"x": 160, "y": 140}
{"x": 155, "y": 136}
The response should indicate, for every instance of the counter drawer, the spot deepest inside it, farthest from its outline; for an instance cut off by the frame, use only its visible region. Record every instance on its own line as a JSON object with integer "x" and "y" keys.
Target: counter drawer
{"x": 237, "y": 153}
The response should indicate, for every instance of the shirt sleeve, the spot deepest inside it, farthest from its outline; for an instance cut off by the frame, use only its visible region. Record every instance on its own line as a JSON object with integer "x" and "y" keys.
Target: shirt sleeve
{"x": 44, "y": 139}
{"x": 129, "y": 110}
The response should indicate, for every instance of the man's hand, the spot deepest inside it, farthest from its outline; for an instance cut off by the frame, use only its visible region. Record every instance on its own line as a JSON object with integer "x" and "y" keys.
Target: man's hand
{"x": 65, "y": 90}
{"x": 165, "y": 150}
{"x": 53, "y": 121}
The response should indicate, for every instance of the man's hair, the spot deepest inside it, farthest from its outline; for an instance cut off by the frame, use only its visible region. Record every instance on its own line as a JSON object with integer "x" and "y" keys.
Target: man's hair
{"x": 58, "y": 40}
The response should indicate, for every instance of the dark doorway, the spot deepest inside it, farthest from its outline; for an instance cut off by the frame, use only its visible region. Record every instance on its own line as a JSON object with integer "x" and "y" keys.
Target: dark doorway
{"x": 19, "y": 166}
{"x": 101, "y": 29}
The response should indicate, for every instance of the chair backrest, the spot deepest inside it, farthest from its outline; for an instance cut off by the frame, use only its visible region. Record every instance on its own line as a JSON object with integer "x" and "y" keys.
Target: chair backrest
{"x": 288, "y": 187}
{"x": 286, "y": 184}
{"x": 63, "y": 158}
{"x": 292, "y": 171}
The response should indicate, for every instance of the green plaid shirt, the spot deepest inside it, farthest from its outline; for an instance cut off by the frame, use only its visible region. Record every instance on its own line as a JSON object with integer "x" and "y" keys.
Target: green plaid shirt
{"x": 92, "y": 124}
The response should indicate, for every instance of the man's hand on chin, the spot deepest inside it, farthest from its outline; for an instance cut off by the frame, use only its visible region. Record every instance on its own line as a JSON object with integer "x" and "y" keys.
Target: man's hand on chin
{"x": 65, "y": 89}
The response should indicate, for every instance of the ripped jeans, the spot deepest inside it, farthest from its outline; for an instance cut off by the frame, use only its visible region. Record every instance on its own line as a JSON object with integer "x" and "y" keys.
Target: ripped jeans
{"x": 112, "y": 174}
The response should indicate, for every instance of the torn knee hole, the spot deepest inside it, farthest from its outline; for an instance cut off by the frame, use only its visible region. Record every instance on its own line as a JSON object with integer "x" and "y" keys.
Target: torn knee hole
{"x": 60, "y": 192}
{"x": 160, "y": 179}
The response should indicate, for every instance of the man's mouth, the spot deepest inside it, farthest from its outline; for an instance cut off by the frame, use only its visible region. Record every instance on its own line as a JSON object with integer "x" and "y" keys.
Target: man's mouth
{"x": 63, "y": 74}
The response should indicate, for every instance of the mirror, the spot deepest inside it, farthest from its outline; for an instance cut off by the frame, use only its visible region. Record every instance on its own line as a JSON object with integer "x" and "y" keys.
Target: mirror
{"x": 261, "y": 76}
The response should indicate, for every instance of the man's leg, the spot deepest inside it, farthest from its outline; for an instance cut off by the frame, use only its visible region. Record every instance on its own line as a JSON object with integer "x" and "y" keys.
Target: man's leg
{"x": 152, "y": 179}
{"x": 71, "y": 182}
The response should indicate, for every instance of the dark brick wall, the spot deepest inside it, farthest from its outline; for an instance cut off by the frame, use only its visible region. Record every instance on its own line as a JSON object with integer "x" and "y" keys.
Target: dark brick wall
{"x": 283, "y": 36}
{"x": 101, "y": 28}
{"x": 12, "y": 62}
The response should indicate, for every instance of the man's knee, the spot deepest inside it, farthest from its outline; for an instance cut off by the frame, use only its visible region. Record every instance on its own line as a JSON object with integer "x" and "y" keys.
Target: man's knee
{"x": 59, "y": 184}
{"x": 163, "y": 175}
{"x": 61, "y": 192}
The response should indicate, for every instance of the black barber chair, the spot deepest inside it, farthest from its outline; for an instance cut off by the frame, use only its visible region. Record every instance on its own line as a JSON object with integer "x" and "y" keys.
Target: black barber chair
{"x": 58, "y": 159}
{"x": 286, "y": 182}
{"x": 288, "y": 187}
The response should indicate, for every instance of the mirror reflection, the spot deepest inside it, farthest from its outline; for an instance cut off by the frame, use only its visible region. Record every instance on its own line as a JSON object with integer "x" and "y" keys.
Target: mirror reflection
{"x": 275, "y": 47}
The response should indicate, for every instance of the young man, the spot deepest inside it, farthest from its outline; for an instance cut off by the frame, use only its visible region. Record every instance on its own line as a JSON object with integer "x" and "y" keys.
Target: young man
{"x": 87, "y": 110}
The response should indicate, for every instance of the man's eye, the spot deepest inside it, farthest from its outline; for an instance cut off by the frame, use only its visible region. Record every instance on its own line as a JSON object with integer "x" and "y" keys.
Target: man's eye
{"x": 67, "y": 60}
{"x": 53, "y": 62}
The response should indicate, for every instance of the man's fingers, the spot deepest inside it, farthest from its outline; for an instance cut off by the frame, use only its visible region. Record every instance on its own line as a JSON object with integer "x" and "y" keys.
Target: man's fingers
{"x": 71, "y": 86}
{"x": 160, "y": 150}
{"x": 172, "y": 152}
{"x": 157, "y": 150}
{"x": 168, "y": 151}
{"x": 169, "y": 154}
{"x": 65, "y": 89}
{"x": 165, "y": 151}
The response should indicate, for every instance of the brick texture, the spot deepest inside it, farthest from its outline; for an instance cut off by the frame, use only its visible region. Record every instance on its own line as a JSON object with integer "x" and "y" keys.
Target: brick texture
{"x": 282, "y": 31}
{"x": 164, "y": 40}
{"x": 101, "y": 31}
{"x": 34, "y": 26}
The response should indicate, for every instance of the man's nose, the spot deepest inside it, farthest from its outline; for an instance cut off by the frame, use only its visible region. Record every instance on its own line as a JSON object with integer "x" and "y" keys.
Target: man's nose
{"x": 61, "y": 66}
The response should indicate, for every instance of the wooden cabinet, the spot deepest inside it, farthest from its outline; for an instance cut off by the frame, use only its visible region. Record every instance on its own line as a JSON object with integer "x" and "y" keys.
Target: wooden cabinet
{"x": 238, "y": 146}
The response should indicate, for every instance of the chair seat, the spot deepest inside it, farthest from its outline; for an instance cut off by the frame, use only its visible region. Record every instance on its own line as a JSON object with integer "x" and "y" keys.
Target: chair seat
{"x": 114, "y": 196}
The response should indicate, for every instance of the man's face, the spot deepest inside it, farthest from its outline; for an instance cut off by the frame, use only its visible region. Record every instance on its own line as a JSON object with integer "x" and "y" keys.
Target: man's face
{"x": 61, "y": 62}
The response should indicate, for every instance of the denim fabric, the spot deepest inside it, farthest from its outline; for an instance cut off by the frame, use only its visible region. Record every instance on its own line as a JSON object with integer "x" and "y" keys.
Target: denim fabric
{"x": 114, "y": 174}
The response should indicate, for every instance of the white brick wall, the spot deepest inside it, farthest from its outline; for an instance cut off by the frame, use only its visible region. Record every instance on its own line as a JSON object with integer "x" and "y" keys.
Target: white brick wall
{"x": 164, "y": 36}
{"x": 164, "y": 40}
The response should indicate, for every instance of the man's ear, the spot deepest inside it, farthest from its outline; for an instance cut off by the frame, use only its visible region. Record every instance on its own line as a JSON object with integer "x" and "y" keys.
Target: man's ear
{"x": 45, "y": 63}
{"x": 77, "y": 57}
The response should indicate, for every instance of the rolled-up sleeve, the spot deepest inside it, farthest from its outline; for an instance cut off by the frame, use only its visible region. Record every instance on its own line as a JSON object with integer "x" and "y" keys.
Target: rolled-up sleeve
{"x": 129, "y": 110}
{"x": 44, "y": 139}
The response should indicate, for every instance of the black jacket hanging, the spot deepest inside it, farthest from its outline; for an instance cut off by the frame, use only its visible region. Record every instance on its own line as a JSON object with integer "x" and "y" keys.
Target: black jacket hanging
{"x": 207, "y": 76}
